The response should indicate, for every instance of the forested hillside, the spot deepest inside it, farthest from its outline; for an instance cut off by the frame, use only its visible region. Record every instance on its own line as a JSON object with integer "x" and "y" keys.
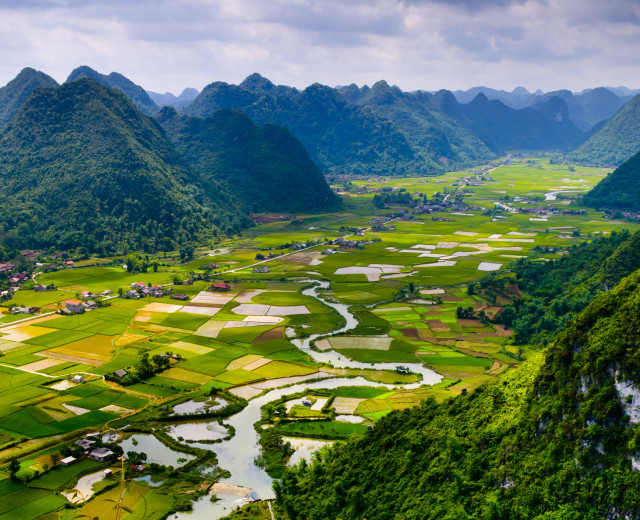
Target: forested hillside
{"x": 616, "y": 141}
{"x": 265, "y": 167}
{"x": 340, "y": 137}
{"x": 134, "y": 92}
{"x": 16, "y": 92}
{"x": 80, "y": 166}
{"x": 558, "y": 290}
{"x": 556, "y": 438}
{"x": 620, "y": 190}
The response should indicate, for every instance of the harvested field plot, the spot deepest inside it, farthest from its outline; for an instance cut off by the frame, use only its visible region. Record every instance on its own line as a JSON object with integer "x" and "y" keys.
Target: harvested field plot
{"x": 210, "y": 329}
{"x": 161, "y": 307}
{"x": 204, "y": 311}
{"x": 186, "y": 375}
{"x": 190, "y": 347}
{"x": 346, "y": 405}
{"x": 42, "y": 364}
{"x": 243, "y": 361}
{"x": 357, "y": 342}
{"x": 24, "y": 333}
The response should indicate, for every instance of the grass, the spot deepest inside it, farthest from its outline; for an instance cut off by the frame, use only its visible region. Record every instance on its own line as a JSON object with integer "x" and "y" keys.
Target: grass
{"x": 378, "y": 356}
{"x": 35, "y": 509}
{"x": 58, "y": 338}
{"x": 214, "y": 362}
{"x": 360, "y": 392}
{"x": 63, "y": 475}
{"x": 338, "y": 430}
{"x": 184, "y": 320}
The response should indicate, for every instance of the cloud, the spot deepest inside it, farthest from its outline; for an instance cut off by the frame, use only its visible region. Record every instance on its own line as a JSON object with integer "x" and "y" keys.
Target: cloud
{"x": 428, "y": 44}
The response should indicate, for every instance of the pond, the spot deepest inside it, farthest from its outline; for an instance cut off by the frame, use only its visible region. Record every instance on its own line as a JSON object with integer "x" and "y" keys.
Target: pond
{"x": 156, "y": 451}
{"x": 198, "y": 407}
{"x": 304, "y": 448}
{"x": 199, "y": 430}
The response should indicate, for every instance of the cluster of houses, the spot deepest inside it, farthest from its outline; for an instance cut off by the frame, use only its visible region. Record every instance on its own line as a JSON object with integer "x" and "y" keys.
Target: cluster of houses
{"x": 344, "y": 243}
{"x": 100, "y": 454}
{"x": 261, "y": 269}
{"x": 142, "y": 290}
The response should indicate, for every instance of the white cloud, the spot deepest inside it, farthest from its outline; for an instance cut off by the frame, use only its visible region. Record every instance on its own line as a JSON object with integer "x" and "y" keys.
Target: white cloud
{"x": 429, "y": 44}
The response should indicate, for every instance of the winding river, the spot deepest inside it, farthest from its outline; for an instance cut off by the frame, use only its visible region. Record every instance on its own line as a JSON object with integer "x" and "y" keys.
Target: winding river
{"x": 237, "y": 454}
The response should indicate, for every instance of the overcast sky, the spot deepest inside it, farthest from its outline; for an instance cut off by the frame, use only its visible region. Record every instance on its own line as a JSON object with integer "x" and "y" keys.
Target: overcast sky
{"x": 167, "y": 45}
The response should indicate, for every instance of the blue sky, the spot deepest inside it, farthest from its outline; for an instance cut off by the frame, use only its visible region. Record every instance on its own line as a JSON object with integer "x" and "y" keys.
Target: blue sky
{"x": 167, "y": 45}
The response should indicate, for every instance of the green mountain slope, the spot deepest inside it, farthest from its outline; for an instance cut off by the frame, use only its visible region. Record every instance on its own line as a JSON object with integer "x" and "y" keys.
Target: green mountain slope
{"x": 615, "y": 141}
{"x": 502, "y": 128}
{"x": 440, "y": 139}
{"x": 265, "y": 167}
{"x": 340, "y": 137}
{"x": 556, "y": 439}
{"x": 81, "y": 166}
{"x": 16, "y": 92}
{"x": 558, "y": 290}
{"x": 134, "y": 92}
{"x": 620, "y": 190}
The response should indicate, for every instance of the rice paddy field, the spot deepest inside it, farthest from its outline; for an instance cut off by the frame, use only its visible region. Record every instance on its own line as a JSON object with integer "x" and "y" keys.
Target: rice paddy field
{"x": 239, "y": 340}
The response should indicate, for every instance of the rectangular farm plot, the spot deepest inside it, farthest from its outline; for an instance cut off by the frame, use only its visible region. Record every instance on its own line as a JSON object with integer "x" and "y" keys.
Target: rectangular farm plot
{"x": 161, "y": 307}
{"x": 25, "y": 333}
{"x": 210, "y": 329}
{"x": 41, "y": 365}
{"x": 183, "y": 320}
{"x": 243, "y": 361}
{"x": 346, "y": 405}
{"x": 203, "y": 311}
{"x": 277, "y": 369}
{"x": 58, "y": 338}
{"x": 181, "y": 374}
{"x": 190, "y": 347}
{"x": 97, "y": 348}
{"x": 357, "y": 342}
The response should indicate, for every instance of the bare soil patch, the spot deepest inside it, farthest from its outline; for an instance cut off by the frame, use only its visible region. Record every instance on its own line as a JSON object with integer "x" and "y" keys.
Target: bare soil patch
{"x": 275, "y": 333}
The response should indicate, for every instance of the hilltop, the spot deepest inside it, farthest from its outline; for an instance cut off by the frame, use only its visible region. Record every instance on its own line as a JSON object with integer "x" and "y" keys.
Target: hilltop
{"x": 265, "y": 167}
{"x": 136, "y": 93}
{"x": 81, "y": 166}
{"x": 15, "y": 93}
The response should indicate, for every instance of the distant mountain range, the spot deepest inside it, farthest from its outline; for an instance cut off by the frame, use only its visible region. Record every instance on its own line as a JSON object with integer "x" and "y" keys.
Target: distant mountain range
{"x": 81, "y": 149}
{"x": 171, "y": 100}
{"x": 383, "y": 130}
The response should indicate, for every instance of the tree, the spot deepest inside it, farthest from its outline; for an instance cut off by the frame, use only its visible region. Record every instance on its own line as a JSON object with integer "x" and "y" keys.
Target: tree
{"x": 14, "y": 467}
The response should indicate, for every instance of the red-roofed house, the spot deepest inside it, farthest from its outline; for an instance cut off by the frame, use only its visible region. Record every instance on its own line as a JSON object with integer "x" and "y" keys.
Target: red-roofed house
{"x": 74, "y": 306}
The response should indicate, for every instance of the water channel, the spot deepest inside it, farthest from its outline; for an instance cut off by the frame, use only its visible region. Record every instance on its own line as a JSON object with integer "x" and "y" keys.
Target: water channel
{"x": 237, "y": 454}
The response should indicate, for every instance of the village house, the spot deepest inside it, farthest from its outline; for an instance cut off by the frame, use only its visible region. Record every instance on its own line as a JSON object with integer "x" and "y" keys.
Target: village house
{"x": 77, "y": 379}
{"x": 85, "y": 444}
{"x": 120, "y": 373}
{"x": 261, "y": 270}
{"x": 106, "y": 293}
{"x": 179, "y": 296}
{"x": 132, "y": 294}
{"x": 90, "y": 305}
{"x": 221, "y": 287}
{"x": 40, "y": 288}
{"x": 68, "y": 461}
{"x": 74, "y": 306}
{"x": 86, "y": 295}
{"x": 69, "y": 263}
{"x": 101, "y": 454}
